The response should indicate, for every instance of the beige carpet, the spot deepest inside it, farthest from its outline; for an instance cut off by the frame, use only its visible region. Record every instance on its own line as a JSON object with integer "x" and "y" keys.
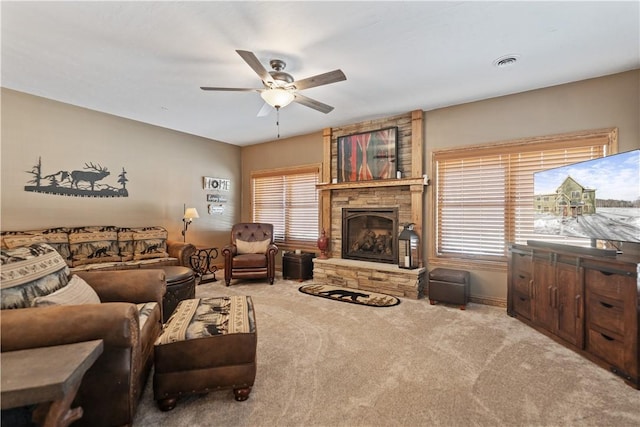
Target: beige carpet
{"x": 326, "y": 363}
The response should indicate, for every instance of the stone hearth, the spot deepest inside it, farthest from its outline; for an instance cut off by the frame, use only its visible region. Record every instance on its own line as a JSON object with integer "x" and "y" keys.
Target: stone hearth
{"x": 371, "y": 276}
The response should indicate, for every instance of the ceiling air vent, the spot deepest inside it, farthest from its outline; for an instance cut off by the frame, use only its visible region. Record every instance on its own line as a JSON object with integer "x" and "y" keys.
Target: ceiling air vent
{"x": 506, "y": 61}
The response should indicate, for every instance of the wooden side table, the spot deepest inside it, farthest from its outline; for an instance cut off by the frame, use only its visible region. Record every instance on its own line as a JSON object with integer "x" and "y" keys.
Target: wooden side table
{"x": 202, "y": 264}
{"x": 297, "y": 266}
{"x": 49, "y": 377}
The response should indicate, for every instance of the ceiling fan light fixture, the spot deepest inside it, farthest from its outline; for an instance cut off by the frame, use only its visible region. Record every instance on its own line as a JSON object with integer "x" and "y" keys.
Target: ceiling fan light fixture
{"x": 277, "y": 97}
{"x": 280, "y": 88}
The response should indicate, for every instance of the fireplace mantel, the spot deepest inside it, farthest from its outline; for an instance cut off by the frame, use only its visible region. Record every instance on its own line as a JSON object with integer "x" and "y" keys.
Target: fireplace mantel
{"x": 372, "y": 184}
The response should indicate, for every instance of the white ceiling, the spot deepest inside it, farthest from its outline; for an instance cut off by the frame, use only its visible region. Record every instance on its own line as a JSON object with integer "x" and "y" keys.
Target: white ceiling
{"x": 146, "y": 61}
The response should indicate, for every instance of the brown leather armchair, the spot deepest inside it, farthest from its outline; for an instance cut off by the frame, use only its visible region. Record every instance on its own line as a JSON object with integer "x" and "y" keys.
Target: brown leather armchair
{"x": 111, "y": 388}
{"x": 251, "y": 254}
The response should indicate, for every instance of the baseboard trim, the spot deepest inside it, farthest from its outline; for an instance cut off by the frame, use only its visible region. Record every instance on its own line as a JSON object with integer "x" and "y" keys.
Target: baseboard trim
{"x": 497, "y": 302}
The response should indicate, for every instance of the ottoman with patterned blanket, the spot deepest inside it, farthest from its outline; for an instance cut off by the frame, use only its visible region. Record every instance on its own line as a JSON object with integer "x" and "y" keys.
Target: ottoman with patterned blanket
{"x": 207, "y": 344}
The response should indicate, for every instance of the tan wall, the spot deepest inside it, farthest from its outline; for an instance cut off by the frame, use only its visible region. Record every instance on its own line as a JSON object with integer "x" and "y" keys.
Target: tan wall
{"x": 282, "y": 153}
{"x": 285, "y": 152}
{"x": 611, "y": 101}
{"x": 164, "y": 168}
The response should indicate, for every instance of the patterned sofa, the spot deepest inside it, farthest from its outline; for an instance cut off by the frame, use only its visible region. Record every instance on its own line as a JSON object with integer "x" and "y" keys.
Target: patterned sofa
{"x": 43, "y": 305}
{"x": 106, "y": 247}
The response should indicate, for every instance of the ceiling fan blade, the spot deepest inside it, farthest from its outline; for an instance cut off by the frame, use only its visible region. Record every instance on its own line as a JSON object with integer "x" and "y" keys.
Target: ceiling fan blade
{"x": 312, "y": 103}
{"x": 265, "y": 110}
{"x": 230, "y": 89}
{"x": 255, "y": 64}
{"x": 319, "y": 80}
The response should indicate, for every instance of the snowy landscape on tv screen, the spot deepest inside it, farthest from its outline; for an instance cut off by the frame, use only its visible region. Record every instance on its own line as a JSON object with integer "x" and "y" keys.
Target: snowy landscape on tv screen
{"x": 597, "y": 199}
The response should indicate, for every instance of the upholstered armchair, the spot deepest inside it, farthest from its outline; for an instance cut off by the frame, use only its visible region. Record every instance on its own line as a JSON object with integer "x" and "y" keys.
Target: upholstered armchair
{"x": 251, "y": 254}
{"x": 42, "y": 306}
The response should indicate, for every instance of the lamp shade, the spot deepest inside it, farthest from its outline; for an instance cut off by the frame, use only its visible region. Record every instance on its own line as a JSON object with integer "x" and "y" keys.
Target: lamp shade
{"x": 191, "y": 213}
{"x": 277, "y": 97}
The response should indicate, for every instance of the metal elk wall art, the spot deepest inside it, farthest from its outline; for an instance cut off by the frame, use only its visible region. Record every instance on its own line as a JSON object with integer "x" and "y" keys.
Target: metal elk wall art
{"x": 83, "y": 182}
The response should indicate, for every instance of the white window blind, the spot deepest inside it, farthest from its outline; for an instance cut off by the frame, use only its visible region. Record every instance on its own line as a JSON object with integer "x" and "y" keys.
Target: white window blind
{"x": 471, "y": 205}
{"x": 288, "y": 199}
{"x": 484, "y": 195}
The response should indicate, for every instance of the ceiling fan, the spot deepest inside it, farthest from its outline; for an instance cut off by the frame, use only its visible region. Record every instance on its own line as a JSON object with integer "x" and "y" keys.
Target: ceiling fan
{"x": 280, "y": 88}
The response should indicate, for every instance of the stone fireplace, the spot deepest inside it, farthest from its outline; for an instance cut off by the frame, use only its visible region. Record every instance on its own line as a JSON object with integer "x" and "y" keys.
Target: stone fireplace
{"x": 370, "y": 234}
{"x": 363, "y": 219}
{"x": 367, "y": 271}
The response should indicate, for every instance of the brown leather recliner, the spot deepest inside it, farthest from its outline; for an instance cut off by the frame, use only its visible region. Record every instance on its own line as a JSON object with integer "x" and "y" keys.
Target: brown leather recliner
{"x": 111, "y": 388}
{"x": 251, "y": 254}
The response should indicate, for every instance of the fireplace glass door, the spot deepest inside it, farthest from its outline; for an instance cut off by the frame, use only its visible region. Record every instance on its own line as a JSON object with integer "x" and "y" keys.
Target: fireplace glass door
{"x": 370, "y": 234}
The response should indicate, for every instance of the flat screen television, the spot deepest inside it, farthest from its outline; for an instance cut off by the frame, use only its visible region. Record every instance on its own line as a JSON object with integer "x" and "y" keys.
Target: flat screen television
{"x": 597, "y": 199}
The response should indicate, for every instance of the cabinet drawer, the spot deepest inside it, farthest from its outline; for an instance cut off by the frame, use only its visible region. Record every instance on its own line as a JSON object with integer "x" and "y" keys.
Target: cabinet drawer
{"x": 522, "y": 305}
{"x": 521, "y": 281}
{"x": 606, "y": 346}
{"x": 521, "y": 262}
{"x": 606, "y": 313}
{"x": 615, "y": 286}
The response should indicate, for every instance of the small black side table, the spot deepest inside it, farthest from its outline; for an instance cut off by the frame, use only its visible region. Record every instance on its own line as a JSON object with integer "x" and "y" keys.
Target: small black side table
{"x": 450, "y": 286}
{"x": 297, "y": 266}
{"x": 202, "y": 264}
{"x": 181, "y": 285}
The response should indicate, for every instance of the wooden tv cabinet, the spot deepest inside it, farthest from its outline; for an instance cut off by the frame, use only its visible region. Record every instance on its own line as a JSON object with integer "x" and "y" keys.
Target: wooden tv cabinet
{"x": 582, "y": 298}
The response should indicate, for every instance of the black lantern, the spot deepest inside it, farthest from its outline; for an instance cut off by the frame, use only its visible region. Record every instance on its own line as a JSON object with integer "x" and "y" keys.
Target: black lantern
{"x": 408, "y": 248}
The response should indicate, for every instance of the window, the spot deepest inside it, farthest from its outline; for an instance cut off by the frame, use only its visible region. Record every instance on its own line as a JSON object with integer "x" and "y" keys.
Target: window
{"x": 484, "y": 194}
{"x": 288, "y": 199}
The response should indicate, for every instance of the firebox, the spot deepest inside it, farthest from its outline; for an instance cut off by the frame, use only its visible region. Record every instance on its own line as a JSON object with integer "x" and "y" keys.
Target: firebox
{"x": 370, "y": 234}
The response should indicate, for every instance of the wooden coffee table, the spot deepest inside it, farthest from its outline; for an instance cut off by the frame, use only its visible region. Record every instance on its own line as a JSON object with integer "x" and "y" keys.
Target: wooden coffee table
{"x": 49, "y": 377}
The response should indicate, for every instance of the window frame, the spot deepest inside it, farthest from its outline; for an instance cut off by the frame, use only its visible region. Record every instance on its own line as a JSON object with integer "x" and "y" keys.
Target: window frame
{"x": 607, "y": 138}
{"x": 305, "y": 244}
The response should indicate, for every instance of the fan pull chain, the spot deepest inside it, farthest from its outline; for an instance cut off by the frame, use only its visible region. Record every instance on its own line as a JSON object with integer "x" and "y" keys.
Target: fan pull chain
{"x": 278, "y": 120}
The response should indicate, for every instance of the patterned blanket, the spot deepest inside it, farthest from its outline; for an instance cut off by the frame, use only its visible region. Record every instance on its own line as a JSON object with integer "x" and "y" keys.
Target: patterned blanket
{"x": 206, "y": 317}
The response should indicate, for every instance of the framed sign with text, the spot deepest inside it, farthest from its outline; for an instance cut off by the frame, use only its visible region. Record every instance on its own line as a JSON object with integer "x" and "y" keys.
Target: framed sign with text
{"x": 216, "y": 184}
{"x": 216, "y": 198}
{"x": 216, "y": 209}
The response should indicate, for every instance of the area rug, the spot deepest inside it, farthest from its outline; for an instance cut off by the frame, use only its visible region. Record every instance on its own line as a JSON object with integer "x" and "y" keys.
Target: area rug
{"x": 355, "y": 296}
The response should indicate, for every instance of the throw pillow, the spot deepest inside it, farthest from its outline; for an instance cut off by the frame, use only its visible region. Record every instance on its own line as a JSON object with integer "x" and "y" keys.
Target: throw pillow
{"x": 90, "y": 245}
{"x": 76, "y": 292}
{"x": 28, "y": 272}
{"x": 18, "y": 240}
{"x": 150, "y": 242}
{"x": 57, "y": 237}
{"x": 256, "y": 247}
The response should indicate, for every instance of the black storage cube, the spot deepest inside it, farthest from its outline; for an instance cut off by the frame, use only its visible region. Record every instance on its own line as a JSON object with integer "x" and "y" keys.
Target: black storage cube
{"x": 450, "y": 286}
{"x": 297, "y": 266}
